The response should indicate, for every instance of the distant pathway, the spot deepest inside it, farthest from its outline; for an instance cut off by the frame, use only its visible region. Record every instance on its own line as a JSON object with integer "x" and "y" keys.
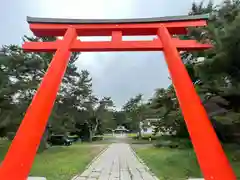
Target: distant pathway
{"x": 118, "y": 162}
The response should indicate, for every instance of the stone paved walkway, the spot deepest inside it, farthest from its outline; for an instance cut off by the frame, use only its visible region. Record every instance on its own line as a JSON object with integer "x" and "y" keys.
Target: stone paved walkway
{"x": 118, "y": 162}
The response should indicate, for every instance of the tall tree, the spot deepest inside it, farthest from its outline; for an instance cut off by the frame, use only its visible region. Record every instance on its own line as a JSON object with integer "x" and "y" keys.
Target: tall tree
{"x": 24, "y": 71}
{"x": 216, "y": 78}
{"x": 135, "y": 110}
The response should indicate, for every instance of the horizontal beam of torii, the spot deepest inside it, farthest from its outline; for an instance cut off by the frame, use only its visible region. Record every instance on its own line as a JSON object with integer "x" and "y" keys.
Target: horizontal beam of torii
{"x": 20, "y": 156}
{"x": 124, "y": 27}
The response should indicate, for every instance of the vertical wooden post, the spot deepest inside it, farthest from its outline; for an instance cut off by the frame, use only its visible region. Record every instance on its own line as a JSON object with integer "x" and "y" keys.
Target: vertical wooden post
{"x": 211, "y": 157}
{"x": 116, "y": 36}
{"x": 18, "y": 161}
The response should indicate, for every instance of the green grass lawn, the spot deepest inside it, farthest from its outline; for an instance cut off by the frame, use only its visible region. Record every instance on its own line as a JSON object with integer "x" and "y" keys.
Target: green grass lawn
{"x": 61, "y": 162}
{"x": 131, "y": 135}
{"x": 178, "y": 164}
{"x": 4, "y": 144}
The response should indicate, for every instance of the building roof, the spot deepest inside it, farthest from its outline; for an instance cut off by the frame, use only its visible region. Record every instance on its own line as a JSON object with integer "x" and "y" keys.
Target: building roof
{"x": 2, "y": 53}
{"x": 119, "y": 21}
{"x": 121, "y": 128}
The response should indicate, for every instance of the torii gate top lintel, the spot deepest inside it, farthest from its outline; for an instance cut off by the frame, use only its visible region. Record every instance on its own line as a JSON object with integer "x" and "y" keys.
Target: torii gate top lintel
{"x": 32, "y": 20}
{"x": 116, "y": 28}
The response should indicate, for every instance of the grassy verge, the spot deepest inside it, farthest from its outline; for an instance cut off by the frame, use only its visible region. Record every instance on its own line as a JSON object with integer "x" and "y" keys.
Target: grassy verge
{"x": 4, "y": 144}
{"x": 145, "y": 139}
{"x": 63, "y": 163}
{"x": 132, "y": 135}
{"x": 60, "y": 162}
{"x": 179, "y": 164}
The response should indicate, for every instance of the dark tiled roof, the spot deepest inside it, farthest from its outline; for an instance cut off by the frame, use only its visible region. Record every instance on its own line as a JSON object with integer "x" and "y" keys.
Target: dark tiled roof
{"x": 113, "y": 21}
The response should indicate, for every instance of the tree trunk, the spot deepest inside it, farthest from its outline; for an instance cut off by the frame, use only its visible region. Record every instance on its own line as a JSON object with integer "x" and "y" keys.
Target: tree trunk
{"x": 139, "y": 133}
{"x": 43, "y": 144}
{"x": 90, "y": 135}
{"x": 140, "y": 130}
{"x": 96, "y": 127}
{"x": 93, "y": 132}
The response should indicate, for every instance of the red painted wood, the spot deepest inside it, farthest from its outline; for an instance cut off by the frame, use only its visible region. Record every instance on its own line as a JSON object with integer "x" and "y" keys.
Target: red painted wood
{"x": 18, "y": 161}
{"x": 116, "y": 36}
{"x": 211, "y": 157}
{"x": 106, "y": 29}
{"x": 79, "y": 46}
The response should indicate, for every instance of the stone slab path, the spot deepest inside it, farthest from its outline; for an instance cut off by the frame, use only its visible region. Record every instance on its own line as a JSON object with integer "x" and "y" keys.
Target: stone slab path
{"x": 117, "y": 162}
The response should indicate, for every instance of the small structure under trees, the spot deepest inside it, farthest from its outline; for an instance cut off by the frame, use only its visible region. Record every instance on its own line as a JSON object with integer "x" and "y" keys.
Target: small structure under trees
{"x": 120, "y": 130}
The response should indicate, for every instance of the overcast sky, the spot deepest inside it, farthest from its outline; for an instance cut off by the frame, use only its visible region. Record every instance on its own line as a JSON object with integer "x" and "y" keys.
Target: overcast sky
{"x": 120, "y": 75}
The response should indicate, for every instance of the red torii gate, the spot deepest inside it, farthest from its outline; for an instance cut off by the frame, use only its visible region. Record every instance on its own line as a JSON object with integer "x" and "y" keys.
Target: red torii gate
{"x": 210, "y": 155}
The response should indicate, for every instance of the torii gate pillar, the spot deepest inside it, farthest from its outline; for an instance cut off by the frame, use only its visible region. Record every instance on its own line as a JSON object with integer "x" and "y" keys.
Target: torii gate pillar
{"x": 210, "y": 155}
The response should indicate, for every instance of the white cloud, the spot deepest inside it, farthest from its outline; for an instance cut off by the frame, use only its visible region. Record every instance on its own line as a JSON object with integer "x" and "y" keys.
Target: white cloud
{"x": 87, "y": 8}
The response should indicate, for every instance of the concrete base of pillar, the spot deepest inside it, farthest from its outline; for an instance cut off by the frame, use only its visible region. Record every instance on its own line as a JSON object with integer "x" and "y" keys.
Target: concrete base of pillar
{"x": 36, "y": 178}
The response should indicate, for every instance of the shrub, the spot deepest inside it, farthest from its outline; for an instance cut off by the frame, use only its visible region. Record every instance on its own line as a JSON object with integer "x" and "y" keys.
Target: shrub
{"x": 169, "y": 144}
{"x": 97, "y": 138}
{"x": 147, "y": 137}
{"x": 173, "y": 142}
{"x": 11, "y": 135}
